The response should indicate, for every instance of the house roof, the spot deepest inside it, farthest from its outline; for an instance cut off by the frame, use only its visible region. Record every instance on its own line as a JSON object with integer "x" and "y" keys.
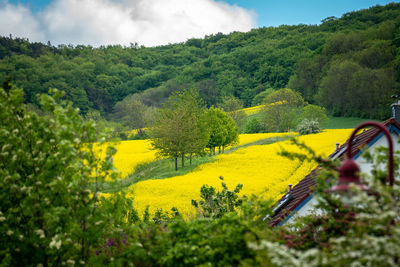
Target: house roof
{"x": 304, "y": 189}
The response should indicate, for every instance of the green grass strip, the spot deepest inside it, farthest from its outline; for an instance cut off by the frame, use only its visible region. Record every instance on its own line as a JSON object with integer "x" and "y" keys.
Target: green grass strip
{"x": 343, "y": 122}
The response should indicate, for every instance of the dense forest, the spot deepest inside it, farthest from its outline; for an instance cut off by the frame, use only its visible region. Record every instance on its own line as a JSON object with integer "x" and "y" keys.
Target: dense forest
{"x": 349, "y": 65}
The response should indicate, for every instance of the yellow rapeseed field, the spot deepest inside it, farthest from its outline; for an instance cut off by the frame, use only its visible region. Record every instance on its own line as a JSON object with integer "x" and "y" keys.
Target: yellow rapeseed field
{"x": 257, "y": 109}
{"x": 253, "y": 110}
{"x": 133, "y": 152}
{"x": 130, "y": 154}
{"x": 258, "y": 168}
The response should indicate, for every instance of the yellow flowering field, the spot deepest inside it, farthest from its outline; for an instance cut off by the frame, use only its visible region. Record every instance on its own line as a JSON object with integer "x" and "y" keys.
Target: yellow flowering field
{"x": 258, "y": 168}
{"x": 253, "y": 110}
{"x": 257, "y": 109}
{"x": 130, "y": 154}
{"x": 133, "y": 152}
{"x": 135, "y": 131}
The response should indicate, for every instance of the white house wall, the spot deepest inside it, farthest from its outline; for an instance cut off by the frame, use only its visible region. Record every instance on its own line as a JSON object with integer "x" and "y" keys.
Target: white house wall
{"x": 307, "y": 209}
{"x": 367, "y": 167}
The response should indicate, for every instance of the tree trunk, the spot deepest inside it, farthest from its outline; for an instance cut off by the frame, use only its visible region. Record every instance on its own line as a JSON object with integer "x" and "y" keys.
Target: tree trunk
{"x": 140, "y": 133}
{"x": 191, "y": 159}
{"x": 176, "y": 163}
{"x": 219, "y": 150}
{"x": 223, "y": 149}
{"x": 183, "y": 160}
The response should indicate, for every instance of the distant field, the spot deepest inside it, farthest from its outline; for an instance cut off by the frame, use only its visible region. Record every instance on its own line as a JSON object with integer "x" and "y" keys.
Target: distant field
{"x": 130, "y": 154}
{"x": 133, "y": 153}
{"x": 161, "y": 168}
{"x": 334, "y": 122}
{"x": 343, "y": 122}
{"x": 252, "y": 110}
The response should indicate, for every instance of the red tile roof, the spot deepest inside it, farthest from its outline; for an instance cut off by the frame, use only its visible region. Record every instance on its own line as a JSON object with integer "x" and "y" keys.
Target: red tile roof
{"x": 305, "y": 187}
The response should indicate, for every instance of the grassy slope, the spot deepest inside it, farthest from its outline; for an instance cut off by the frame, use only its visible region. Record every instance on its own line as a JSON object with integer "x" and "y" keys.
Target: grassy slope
{"x": 164, "y": 168}
{"x": 343, "y": 122}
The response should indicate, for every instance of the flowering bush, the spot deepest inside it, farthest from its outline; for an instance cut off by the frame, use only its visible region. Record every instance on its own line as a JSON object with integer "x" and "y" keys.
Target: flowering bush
{"x": 308, "y": 127}
{"x": 48, "y": 215}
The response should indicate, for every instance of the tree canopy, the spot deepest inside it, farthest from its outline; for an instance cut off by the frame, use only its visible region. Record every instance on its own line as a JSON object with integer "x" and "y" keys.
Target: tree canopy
{"x": 282, "y": 109}
{"x": 310, "y": 59}
{"x": 223, "y": 130}
{"x": 179, "y": 126}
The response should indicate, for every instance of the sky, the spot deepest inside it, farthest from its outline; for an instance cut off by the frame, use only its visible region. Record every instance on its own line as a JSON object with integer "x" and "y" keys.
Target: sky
{"x": 158, "y": 22}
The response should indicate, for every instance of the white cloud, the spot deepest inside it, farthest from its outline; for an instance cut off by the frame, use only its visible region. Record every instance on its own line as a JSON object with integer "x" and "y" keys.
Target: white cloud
{"x": 19, "y": 21}
{"x": 147, "y": 22}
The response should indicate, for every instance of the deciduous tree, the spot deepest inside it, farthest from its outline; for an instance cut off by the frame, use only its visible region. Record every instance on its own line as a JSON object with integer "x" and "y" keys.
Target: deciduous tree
{"x": 223, "y": 130}
{"x": 179, "y": 127}
{"x": 315, "y": 113}
{"x": 282, "y": 109}
{"x": 233, "y": 106}
{"x": 132, "y": 113}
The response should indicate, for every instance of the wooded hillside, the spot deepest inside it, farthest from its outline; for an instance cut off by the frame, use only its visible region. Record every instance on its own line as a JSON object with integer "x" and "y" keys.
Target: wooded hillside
{"x": 350, "y": 65}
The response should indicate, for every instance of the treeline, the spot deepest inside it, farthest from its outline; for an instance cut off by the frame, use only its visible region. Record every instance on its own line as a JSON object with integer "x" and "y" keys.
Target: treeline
{"x": 350, "y": 65}
{"x": 239, "y": 64}
{"x": 18, "y": 46}
{"x": 357, "y": 71}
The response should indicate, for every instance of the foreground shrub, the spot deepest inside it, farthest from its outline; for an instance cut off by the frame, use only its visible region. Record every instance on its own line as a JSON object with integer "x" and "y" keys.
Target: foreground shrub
{"x": 49, "y": 215}
{"x": 218, "y": 237}
{"x": 215, "y": 204}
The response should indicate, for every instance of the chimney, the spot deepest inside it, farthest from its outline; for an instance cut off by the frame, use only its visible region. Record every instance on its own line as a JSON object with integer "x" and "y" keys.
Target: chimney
{"x": 337, "y": 146}
{"x": 396, "y": 109}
